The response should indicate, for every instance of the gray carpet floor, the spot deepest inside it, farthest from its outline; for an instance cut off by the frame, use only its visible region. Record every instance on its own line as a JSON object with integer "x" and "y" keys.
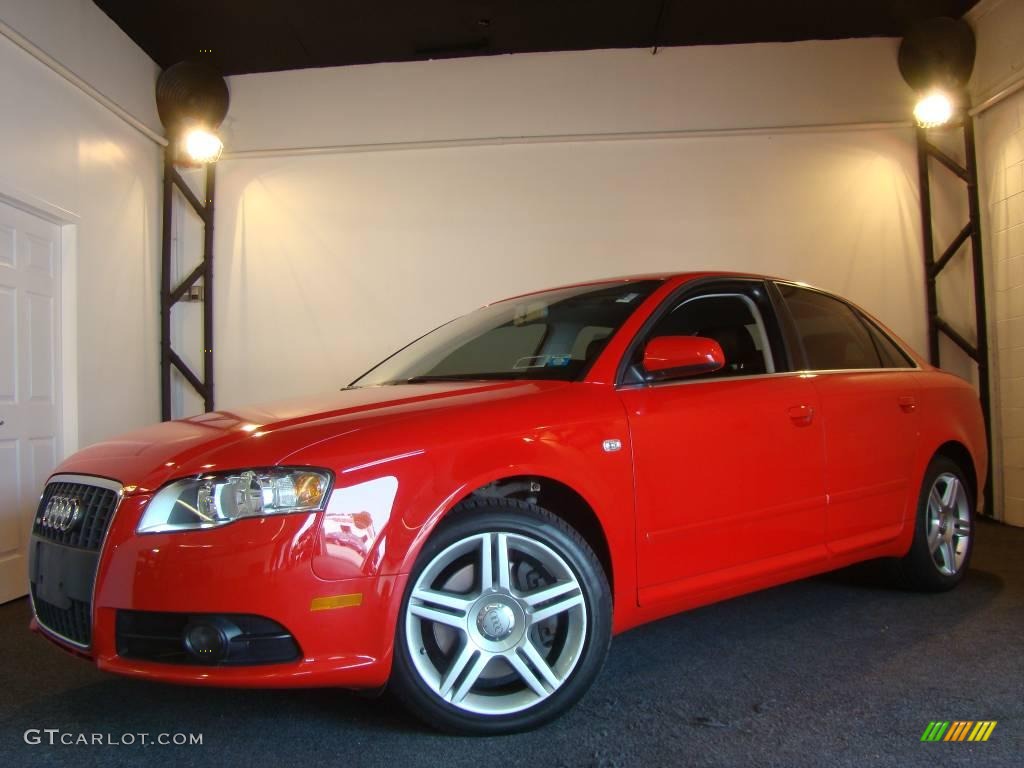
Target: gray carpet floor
{"x": 838, "y": 670}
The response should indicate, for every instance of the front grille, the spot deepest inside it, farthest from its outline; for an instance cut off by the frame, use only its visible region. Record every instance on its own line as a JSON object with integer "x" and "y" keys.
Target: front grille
{"x": 73, "y": 623}
{"x": 97, "y": 505}
{"x": 62, "y": 577}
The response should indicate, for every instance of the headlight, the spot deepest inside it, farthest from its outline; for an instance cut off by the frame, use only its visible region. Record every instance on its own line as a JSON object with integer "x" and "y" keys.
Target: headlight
{"x": 215, "y": 499}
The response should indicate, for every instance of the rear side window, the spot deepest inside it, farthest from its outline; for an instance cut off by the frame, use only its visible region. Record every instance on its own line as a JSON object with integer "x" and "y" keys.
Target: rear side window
{"x": 892, "y": 356}
{"x": 833, "y": 336}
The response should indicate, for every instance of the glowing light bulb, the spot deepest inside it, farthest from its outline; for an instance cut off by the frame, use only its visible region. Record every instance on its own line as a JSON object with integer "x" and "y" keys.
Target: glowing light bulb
{"x": 933, "y": 109}
{"x": 203, "y": 146}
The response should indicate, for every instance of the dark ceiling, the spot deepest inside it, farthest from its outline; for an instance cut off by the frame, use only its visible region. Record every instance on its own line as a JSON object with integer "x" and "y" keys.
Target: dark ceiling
{"x": 241, "y": 36}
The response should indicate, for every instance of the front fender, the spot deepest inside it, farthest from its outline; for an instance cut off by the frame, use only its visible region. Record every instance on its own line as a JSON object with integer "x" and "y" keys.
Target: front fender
{"x": 413, "y": 471}
{"x": 562, "y": 441}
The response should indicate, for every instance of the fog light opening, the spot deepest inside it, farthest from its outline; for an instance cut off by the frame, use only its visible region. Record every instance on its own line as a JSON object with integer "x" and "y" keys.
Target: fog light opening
{"x": 208, "y": 640}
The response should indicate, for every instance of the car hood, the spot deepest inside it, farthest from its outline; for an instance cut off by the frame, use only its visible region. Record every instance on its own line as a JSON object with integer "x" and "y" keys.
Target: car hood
{"x": 145, "y": 459}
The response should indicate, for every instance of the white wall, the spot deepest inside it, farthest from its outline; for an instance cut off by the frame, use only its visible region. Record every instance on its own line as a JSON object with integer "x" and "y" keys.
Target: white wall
{"x": 365, "y": 250}
{"x": 999, "y": 27}
{"x": 61, "y": 147}
{"x": 582, "y": 92}
{"x": 82, "y": 38}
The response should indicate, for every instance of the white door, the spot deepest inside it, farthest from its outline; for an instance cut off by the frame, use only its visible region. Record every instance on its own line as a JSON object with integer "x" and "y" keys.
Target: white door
{"x": 29, "y": 397}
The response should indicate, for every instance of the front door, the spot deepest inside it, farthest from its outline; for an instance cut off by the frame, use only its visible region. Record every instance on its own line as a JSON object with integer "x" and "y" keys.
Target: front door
{"x": 29, "y": 410}
{"x": 729, "y": 466}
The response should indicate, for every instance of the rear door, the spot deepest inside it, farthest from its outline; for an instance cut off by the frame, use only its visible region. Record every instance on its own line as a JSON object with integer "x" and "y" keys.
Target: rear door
{"x": 729, "y": 466}
{"x": 868, "y": 393}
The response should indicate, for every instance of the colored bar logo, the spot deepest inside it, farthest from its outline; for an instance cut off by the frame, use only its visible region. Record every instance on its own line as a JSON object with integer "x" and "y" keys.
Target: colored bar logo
{"x": 959, "y": 730}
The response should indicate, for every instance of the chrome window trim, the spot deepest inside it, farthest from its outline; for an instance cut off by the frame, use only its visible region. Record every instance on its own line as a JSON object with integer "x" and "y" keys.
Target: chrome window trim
{"x": 803, "y": 374}
{"x": 831, "y": 371}
{"x": 100, "y": 482}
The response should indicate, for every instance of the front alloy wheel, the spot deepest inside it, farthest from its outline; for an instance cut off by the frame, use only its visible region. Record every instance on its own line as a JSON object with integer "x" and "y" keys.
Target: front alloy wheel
{"x": 505, "y": 623}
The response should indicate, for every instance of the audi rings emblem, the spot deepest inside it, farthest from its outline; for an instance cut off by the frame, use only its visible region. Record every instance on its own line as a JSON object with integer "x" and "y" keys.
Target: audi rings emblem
{"x": 62, "y": 514}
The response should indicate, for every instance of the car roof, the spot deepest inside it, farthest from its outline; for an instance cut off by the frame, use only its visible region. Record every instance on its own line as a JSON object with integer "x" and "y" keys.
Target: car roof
{"x": 682, "y": 277}
{"x": 661, "y": 276}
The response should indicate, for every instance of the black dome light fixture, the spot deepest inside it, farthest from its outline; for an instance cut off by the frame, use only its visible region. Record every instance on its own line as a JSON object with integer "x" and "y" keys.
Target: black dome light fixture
{"x": 192, "y": 100}
{"x": 936, "y": 59}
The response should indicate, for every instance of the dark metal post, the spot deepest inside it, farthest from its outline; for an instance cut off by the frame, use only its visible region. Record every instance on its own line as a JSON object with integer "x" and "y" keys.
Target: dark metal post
{"x": 932, "y": 303}
{"x": 208, "y": 287}
{"x": 165, "y": 288}
{"x": 978, "y": 351}
{"x": 980, "y": 313}
{"x": 171, "y": 295}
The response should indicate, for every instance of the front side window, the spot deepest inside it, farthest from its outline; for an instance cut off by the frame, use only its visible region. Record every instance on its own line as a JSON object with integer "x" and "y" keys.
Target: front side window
{"x": 549, "y": 335}
{"x": 833, "y": 337}
{"x": 731, "y": 319}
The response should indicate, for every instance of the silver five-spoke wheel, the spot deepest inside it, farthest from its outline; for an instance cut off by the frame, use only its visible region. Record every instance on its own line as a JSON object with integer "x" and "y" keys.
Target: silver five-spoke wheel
{"x": 948, "y": 523}
{"x": 940, "y": 552}
{"x": 496, "y": 623}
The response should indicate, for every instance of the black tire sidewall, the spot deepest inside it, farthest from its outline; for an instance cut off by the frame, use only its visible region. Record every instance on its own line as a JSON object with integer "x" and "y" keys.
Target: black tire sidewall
{"x": 513, "y": 516}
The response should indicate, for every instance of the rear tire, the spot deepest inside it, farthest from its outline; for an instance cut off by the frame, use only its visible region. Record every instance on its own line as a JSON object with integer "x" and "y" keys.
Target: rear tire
{"x": 505, "y": 622}
{"x": 943, "y": 529}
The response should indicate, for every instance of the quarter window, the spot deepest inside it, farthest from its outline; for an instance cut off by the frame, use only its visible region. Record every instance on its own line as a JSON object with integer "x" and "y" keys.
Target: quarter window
{"x": 892, "y": 356}
{"x": 833, "y": 337}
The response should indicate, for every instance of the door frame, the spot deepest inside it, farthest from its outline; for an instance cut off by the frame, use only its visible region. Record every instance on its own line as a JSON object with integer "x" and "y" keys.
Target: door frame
{"x": 67, "y": 333}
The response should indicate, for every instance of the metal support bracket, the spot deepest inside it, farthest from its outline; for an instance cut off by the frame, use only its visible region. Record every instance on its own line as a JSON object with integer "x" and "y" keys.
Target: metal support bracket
{"x": 933, "y": 267}
{"x": 186, "y": 289}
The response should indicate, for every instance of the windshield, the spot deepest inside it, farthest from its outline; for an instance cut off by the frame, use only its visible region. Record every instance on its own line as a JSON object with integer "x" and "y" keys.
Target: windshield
{"x": 550, "y": 335}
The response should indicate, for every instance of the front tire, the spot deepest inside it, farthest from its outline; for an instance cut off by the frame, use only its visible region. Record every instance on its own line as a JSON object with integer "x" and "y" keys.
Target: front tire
{"x": 505, "y": 622}
{"x": 944, "y": 529}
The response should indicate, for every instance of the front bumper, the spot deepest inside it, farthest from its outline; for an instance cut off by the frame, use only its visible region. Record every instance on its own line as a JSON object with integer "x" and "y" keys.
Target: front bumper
{"x": 256, "y": 566}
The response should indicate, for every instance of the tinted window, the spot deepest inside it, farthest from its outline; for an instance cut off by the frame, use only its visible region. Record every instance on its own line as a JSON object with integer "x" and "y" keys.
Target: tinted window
{"x": 832, "y": 335}
{"x": 731, "y": 320}
{"x": 549, "y": 335}
{"x": 892, "y": 356}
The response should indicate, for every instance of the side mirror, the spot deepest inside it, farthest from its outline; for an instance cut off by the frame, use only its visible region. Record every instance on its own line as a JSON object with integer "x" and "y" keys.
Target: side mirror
{"x": 671, "y": 357}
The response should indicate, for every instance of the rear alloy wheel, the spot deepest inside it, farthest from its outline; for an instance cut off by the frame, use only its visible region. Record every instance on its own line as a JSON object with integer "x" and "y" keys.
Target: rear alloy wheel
{"x": 505, "y": 622}
{"x": 949, "y": 523}
{"x": 943, "y": 535}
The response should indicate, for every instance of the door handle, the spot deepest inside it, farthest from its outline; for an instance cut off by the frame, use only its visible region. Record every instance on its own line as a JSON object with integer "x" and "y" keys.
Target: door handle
{"x": 908, "y": 403}
{"x": 801, "y": 415}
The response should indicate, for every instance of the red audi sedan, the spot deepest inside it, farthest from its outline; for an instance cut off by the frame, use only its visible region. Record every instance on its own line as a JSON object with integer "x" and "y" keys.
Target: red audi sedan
{"x": 470, "y": 522}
